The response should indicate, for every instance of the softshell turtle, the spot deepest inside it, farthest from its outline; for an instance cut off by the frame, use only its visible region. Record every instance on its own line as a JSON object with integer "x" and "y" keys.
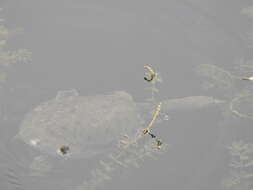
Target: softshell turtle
{"x": 88, "y": 125}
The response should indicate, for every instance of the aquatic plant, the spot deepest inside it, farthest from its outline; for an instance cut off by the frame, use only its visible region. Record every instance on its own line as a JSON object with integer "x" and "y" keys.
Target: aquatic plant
{"x": 89, "y": 126}
{"x": 153, "y": 79}
{"x": 11, "y": 175}
{"x": 7, "y": 57}
{"x": 131, "y": 152}
{"x": 241, "y": 105}
{"x": 232, "y": 84}
{"x": 217, "y": 77}
{"x": 241, "y": 166}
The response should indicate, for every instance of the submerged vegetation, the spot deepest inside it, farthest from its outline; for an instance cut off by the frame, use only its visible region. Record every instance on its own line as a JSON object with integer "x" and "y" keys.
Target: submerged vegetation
{"x": 231, "y": 86}
{"x": 63, "y": 121}
{"x": 236, "y": 86}
{"x": 153, "y": 78}
{"x": 241, "y": 166}
{"x": 216, "y": 77}
{"x": 239, "y": 106}
{"x": 131, "y": 150}
{"x": 241, "y": 152}
{"x": 7, "y": 57}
